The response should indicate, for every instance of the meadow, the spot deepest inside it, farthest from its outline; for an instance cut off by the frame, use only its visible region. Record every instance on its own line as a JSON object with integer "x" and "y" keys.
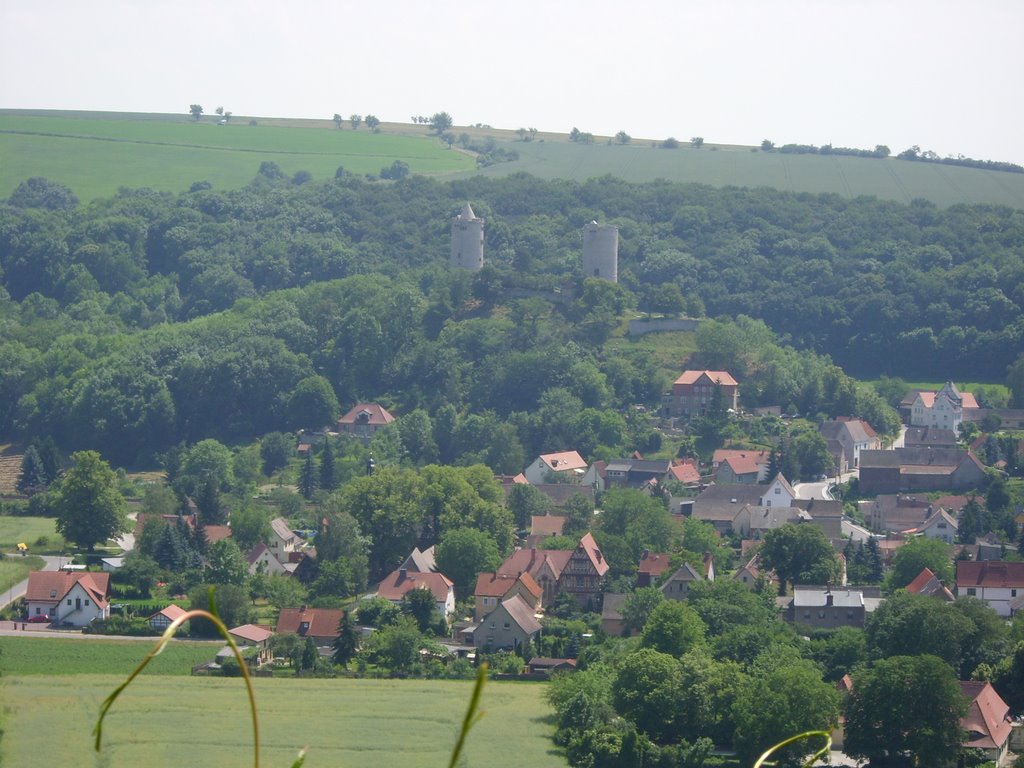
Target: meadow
{"x": 13, "y": 570}
{"x": 165, "y": 721}
{"x": 78, "y": 655}
{"x": 96, "y": 153}
{"x": 15, "y": 529}
{"x": 96, "y": 156}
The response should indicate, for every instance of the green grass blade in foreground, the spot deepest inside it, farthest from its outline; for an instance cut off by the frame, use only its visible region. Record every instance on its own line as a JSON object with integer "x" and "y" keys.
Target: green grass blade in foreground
{"x": 821, "y": 753}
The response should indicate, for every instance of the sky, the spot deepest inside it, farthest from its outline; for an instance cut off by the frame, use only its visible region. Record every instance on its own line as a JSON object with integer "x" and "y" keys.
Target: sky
{"x": 945, "y": 75}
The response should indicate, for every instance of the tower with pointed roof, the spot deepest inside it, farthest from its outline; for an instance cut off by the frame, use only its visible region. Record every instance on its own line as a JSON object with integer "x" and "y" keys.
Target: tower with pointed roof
{"x": 467, "y": 241}
{"x": 601, "y": 251}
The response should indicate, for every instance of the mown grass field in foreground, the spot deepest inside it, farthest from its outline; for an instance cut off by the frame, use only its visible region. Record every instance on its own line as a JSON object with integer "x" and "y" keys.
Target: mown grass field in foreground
{"x": 161, "y": 721}
{"x": 15, "y": 529}
{"x": 31, "y": 656}
{"x": 94, "y": 157}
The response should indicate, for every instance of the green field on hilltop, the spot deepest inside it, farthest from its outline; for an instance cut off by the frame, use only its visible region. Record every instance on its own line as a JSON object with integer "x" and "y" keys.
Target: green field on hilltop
{"x": 846, "y": 176}
{"x": 86, "y": 655}
{"x": 15, "y": 569}
{"x": 94, "y": 157}
{"x": 163, "y": 721}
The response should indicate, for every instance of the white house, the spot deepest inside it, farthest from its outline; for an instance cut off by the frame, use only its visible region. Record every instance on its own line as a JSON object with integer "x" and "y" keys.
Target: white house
{"x": 779, "y": 493}
{"x": 939, "y": 525}
{"x": 399, "y": 582}
{"x": 282, "y": 539}
{"x": 73, "y": 599}
{"x": 998, "y": 583}
{"x": 567, "y": 466}
{"x": 943, "y": 409}
{"x": 261, "y": 558}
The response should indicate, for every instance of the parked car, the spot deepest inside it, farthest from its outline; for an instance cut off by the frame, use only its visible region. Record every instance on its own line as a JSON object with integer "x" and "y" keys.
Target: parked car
{"x": 39, "y": 619}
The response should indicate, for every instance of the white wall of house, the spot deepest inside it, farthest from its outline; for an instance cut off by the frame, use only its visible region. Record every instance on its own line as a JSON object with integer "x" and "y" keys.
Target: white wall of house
{"x": 78, "y": 608}
{"x": 998, "y": 598}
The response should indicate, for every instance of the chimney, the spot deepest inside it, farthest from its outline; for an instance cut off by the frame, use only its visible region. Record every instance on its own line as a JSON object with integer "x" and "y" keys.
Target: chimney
{"x": 645, "y": 554}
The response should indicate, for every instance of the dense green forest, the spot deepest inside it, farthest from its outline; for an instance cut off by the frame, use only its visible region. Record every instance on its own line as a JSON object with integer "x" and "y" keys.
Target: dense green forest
{"x": 147, "y": 319}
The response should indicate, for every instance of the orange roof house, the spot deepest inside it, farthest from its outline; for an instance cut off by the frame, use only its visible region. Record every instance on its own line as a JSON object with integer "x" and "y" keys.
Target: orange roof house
{"x": 492, "y": 588}
{"x": 74, "y": 598}
{"x": 987, "y": 721}
{"x": 566, "y": 465}
{"x": 694, "y": 391}
{"x": 652, "y": 566}
{"x": 363, "y": 420}
{"x": 397, "y": 584}
{"x": 321, "y": 624}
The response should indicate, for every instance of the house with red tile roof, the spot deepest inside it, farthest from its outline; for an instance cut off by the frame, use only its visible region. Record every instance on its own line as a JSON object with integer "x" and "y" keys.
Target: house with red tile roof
{"x": 943, "y": 409}
{"x": 997, "y": 582}
{"x": 577, "y": 573}
{"x": 397, "y": 584}
{"x": 987, "y": 722}
{"x": 927, "y": 583}
{"x": 651, "y": 567}
{"x": 563, "y": 467}
{"x": 68, "y": 598}
{"x": 492, "y": 588}
{"x": 163, "y": 618}
{"x": 683, "y": 471}
{"x": 694, "y": 391}
{"x": 544, "y": 565}
{"x": 742, "y": 469}
{"x": 321, "y": 624}
{"x": 543, "y": 527}
{"x": 255, "y": 637}
{"x": 363, "y": 420}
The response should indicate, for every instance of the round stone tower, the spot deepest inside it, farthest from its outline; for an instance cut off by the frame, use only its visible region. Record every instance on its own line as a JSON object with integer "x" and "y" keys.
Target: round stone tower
{"x": 601, "y": 251}
{"x": 467, "y": 241}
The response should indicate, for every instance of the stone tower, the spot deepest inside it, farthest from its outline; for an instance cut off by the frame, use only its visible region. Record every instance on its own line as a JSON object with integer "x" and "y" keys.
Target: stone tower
{"x": 601, "y": 251}
{"x": 467, "y": 241}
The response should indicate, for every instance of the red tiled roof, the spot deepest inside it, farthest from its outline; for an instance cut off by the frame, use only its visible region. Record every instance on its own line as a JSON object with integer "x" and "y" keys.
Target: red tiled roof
{"x": 531, "y": 560}
{"x": 252, "y": 633}
{"x": 742, "y": 465}
{"x": 377, "y": 415}
{"x": 761, "y": 457}
{"x": 595, "y": 554}
{"x": 51, "y": 586}
{"x": 216, "y": 532}
{"x": 987, "y": 721}
{"x": 499, "y": 584}
{"x": 551, "y": 525}
{"x": 721, "y": 377}
{"x": 654, "y": 563}
{"x": 920, "y": 581}
{"x": 321, "y": 622}
{"x": 564, "y": 461}
{"x": 989, "y": 573}
{"x": 397, "y": 583}
{"x": 172, "y": 612}
{"x": 685, "y": 473}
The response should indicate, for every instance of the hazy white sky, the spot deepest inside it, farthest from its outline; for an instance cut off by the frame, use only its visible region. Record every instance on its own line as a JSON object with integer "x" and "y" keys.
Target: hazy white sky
{"x": 943, "y": 74}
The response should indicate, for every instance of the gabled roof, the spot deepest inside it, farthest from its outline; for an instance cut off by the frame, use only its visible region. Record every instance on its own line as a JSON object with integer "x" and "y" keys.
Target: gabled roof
{"x": 171, "y": 612}
{"x": 741, "y": 465}
{"x": 254, "y": 554}
{"x": 685, "y": 473}
{"x": 550, "y": 525}
{"x": 987, "y": 721}
{"x": 531, "y": 561}
{"x": 685, "y": 572}
{"x": 654, "y": 563}
{"x": 588, "y": 545}
{"x": 522, "y": 614}
{"x": 935, "y": 436}
{"x": 761, "y": 457}
{"x": 319, "y": 622}
{"x": 397, "y": 583}
{"x": 372, "y": 413}
{"x": 420, "y": 561}
{"x": 51, "y": 586}
{"x": 785, "y": 484}
{"x": 720, "y": 377}
{"x": 937, "y": 517}
{"x": 612, "y": 605}
{"x": 280, "y": 526}
{"x": 566, "y": 461}
{"x": 927, "y": 583}
{"x": 216, "y": 532}
{"x": 251, "y": 633}
{"x": 499, "y": 584}
{"x": 989, "y": 573}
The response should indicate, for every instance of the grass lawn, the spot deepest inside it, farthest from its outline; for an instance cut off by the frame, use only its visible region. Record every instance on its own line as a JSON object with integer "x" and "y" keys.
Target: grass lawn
{"x": 164, "y": 721}
{"x": 94, "y": 156}
{"x": 26, "y": 529}
{"x": 85, "y": 655}
{"x": 15, "y": 569}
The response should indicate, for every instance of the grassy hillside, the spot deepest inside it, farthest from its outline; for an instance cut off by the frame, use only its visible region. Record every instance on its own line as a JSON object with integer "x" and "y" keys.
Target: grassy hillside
{"x": 89, "y": 656}
{"x": 94, "y": 153}
{"x": 164, "y": 721}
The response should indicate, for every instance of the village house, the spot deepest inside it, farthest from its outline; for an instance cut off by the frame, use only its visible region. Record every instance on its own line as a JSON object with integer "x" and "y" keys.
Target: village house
{"x": 635, "y": 473}
{"x": 68, "y": 598}
{"x": 543, "y": 527}
{"x": 999, "y": 584}
{"x": 943, "y": 409}
{"x": 363, "y": 420}
{"x": 683, "y": 471}
{"x": 508, "y": 627}
{"x": 612, "y": 623}
{"x": 830, "y": 608}
{"x": 938, "y": 525}
{"x": 854, "y": 435}
{"x": 420, "y": 561}
{"x": 919, "y": 469}
{"x": 564, "y": 467}
{"x": 677, "y": 586}
{"x": 987, "y": 722}
{"x": 282, "y": 539}
{"x": 261, "y": 560}
{"x": 397, "y": 584}
{"x": 735, "y": 470}
{"x": 254, "y": 642}
{"x": 577, "y": 573}
{"x": 928, "y": 584}
{"x": 320, "y": 624}
{"x": 761, "y": 458}
{"x": 652, "y": 566}
{"x": 925, "y": 437}
{"x": 493, "y": 588}
{"x": 694, "y": 392}
{"x": 166, "y": 616}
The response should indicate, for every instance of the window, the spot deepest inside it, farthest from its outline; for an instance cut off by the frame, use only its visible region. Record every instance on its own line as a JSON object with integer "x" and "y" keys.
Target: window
{"x": 86, "y": 602}
{"x": 1013, "y": 593}
{"x": 972, "y": 591}
{"x": 38, "y": 611}
{"x": 69, "y": 601}
{"x": 507, "y": 625}
{"x": 777, "y": 490}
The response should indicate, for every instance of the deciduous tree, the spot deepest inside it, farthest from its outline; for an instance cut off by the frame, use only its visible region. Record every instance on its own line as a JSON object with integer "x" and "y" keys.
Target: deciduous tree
{"x": 90, "y": 508}
{"x": 799, "y": 554}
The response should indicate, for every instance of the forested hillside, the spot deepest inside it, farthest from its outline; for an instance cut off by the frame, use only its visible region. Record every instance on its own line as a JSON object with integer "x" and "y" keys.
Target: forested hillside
{"x": 146, "y": 319}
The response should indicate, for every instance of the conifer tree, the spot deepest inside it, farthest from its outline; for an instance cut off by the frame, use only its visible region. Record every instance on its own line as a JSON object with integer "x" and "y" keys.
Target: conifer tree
{"x": 33, "y": 474}
{"x": 347, "y": 641}
{"x": 211, "y": 510}
{"x": 308, "y": 478}
{"x": 327, "y": 481}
